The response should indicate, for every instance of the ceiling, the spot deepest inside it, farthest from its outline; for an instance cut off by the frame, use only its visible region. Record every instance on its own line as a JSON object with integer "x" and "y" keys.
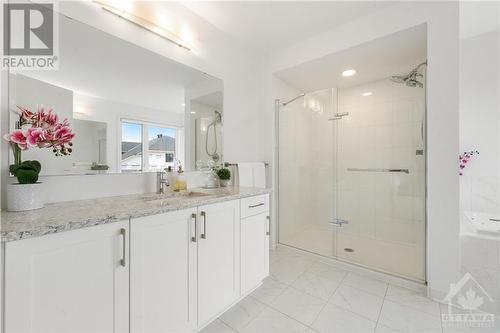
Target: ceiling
{"x": 268, "y": 25}
{"x": 214, "y": 100}
{"x": 470, "y": 11}
{"x": 378, "y": 59}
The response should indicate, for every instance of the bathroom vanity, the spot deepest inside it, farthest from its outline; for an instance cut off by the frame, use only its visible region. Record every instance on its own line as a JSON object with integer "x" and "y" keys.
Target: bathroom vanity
{"x": 137, "y": 263}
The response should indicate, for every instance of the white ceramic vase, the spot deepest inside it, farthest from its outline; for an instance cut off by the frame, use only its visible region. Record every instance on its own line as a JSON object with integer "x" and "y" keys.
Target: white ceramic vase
{"x": 225, "y": 182}
{"x": 22, "y": 197}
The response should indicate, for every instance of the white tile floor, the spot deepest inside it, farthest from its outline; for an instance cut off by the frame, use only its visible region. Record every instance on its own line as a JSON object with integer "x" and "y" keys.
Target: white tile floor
{"x": 307, "y": 294}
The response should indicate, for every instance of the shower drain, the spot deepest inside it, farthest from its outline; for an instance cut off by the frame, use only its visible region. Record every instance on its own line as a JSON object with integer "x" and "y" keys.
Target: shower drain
{"x": 347, "y": 249}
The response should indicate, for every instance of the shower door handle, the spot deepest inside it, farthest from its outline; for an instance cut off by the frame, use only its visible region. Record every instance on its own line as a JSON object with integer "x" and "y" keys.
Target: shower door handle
{"x": 379, "y": 170}
{"x": 339, "y": 222}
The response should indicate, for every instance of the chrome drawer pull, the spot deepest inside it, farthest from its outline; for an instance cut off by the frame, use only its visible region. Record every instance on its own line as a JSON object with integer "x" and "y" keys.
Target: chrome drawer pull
{"x": 123, "y": 260}
{"x": 194, "y": 238}
{"x": 268, "y": 231}
{"x": 257, "y": 205}
{"x": 204, "y": 234}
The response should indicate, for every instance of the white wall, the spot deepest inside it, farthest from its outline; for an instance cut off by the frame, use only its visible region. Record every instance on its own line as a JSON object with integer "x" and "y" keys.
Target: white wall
{"x": 214, "y": 53}
{"x": 480, "y": 122}
{"x": 442, "y": 137}
{"x": 480, "y": 130}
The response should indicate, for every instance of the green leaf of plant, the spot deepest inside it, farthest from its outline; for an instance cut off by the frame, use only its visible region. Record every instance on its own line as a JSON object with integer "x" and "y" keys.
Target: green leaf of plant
{"x": 27, "y": 172}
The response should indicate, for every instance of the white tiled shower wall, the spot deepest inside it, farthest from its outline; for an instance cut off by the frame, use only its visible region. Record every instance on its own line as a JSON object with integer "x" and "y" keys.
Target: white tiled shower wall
{"x": 385, "y": 210}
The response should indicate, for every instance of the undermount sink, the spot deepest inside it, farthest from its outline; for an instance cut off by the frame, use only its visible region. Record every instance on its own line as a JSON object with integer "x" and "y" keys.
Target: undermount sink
{"x": 175, "y": 196}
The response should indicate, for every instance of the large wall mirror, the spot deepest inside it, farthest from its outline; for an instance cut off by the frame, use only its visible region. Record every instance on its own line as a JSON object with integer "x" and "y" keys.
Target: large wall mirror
{"x": 132, "y": 110}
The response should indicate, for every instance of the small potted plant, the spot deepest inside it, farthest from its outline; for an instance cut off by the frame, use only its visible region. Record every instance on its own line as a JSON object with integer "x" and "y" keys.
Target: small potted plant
{"x": 224, "y": 176}
{"x": 38, "y": 129}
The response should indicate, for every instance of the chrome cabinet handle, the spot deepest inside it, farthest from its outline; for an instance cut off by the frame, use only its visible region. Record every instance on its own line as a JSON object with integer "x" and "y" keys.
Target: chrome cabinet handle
{"x": 195, "y": 237}
{"x": 257, "y": 205}
{"x": 123, "y": 260}
{"x": 268, "y": 231}
{"x": 204, "y": 234}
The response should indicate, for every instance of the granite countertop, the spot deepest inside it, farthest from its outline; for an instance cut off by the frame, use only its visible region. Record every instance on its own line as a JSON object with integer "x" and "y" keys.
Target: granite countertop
{"x": 71, "y": 215}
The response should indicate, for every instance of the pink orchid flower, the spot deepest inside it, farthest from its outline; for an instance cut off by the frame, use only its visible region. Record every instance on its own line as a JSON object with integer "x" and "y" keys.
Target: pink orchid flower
{"x": 17, "y": 137}
{"x": 35, "y": 137}
{"x": 45, "y": 131}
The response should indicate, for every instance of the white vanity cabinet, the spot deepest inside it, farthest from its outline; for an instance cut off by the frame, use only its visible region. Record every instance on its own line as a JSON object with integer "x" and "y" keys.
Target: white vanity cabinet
{"x": 70, "y": 281}
{"x": 170, "y": 272}
{"x": 218, "y": 258}
{"x": 184, "y": 267}
{"x": 255, "y": 232}
{"x": 163, "y": 272}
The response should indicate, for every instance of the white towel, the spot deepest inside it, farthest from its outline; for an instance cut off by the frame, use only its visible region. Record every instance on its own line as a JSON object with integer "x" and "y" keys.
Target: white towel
{"x": 252, "y": 174}
{"x": 259, "y": 175}
{"x": 245, "y": 174}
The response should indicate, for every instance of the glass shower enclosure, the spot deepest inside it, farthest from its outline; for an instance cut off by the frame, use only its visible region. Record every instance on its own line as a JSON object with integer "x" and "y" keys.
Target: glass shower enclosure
{"x": 351, "y": 175}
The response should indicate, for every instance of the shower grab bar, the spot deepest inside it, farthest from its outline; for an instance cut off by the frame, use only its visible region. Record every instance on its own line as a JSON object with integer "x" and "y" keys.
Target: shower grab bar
{"x": 229, "y": 164}
{"x": 379, "y": 170}
{"x": 339, "y": 116}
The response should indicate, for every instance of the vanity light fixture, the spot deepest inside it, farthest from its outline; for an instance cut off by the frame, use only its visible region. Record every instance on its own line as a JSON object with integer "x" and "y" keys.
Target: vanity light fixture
{"x": 366, "y": 94}
{"x": 145, "y": 24}
{"x": 79, "y": 110}
{"x": 193, "y": 112}
{"x": 348, "y": 72}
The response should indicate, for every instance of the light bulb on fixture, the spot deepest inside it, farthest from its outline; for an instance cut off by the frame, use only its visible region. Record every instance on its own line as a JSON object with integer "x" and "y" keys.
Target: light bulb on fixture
{"x": 80, "y": 110}
{"x": 125, "y": 12}
{"x": 348, "y": 72}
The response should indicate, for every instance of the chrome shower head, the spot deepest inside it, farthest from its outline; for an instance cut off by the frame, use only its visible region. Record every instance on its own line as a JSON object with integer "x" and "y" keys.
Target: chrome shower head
{"x": 218, "y": 116}
{"x": 411, "y": 79}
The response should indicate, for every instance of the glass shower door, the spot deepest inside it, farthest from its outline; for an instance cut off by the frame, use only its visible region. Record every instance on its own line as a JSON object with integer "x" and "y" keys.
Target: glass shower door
{"x": 306, "y": 173}
{"x": 380, "y": 178}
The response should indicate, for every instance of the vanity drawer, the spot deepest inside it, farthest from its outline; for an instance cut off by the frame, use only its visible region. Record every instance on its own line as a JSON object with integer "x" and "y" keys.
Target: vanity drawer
{"x": 254, "y": 205}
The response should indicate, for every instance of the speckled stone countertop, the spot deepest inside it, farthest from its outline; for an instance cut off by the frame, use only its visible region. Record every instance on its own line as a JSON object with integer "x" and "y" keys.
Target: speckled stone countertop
{"x": 71, "y": 215}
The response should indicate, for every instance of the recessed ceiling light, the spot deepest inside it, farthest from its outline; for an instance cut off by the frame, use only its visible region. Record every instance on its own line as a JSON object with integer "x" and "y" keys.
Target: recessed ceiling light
{"x": 348, "y": 72}
{"x": 368, "y": 93}
{"x": 183, "y": 104}
{"x": 193, "y": 112}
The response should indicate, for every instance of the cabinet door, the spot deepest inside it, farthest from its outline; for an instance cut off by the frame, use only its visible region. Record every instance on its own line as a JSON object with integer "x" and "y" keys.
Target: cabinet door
{"x": 73, "y": 281}
{"x": 163, "y": 272}
{"x": 218, "y": 258}
{"x": 254, "y": 251}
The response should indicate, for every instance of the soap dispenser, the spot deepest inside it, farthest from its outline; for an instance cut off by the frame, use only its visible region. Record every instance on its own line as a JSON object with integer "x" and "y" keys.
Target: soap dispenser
{"x": 180, "y": 181}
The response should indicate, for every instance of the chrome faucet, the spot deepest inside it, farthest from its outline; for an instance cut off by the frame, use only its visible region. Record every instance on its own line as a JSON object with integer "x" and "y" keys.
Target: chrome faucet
{"x": 161, "y": 182}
